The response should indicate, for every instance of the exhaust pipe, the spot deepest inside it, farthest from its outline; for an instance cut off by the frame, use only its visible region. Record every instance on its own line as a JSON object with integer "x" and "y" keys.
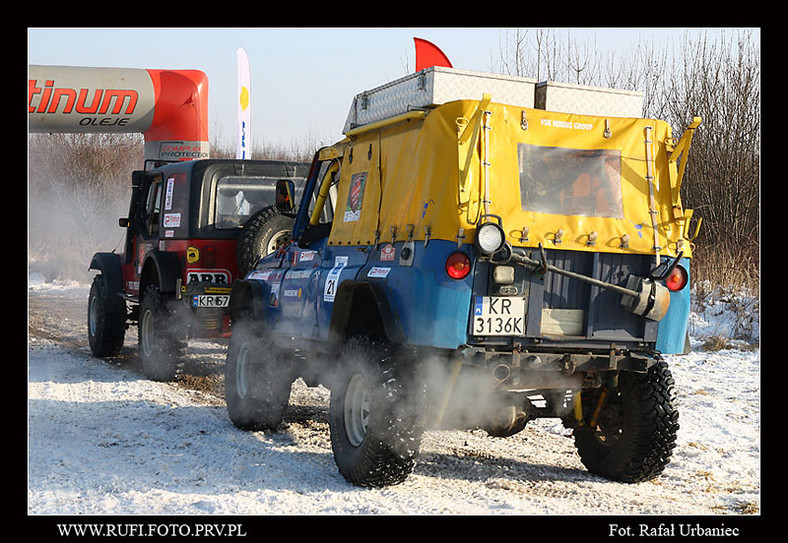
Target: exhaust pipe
{"x": 501, "y": 372}
{"x": 535, "y": 379}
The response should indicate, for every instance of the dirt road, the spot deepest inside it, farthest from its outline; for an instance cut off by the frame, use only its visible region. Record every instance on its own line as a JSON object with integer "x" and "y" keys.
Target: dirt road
{"x": 535, "y": 472}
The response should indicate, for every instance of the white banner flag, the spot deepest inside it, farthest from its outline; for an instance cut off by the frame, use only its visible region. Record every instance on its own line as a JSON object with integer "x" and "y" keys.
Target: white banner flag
{"x": 244, "y": 144}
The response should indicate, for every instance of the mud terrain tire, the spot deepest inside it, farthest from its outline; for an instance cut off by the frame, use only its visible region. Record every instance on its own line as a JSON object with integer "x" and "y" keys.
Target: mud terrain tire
{"x": 636, "y": 433}
{"x": 264, "y": 232}
{"x": 375, "y": 415}
{"x": 258, "y": 380}
{"x": 106, "y": 320}
{"x": 162, "y": 342}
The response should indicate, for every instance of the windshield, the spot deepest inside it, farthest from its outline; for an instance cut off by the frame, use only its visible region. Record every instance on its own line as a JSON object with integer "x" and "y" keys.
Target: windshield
{"x": 564, "y": 181}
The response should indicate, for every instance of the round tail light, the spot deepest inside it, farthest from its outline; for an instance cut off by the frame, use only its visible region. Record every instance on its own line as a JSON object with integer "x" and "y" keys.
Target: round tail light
{"x": 458, "y": 265}
{"x": 677, "y": 279}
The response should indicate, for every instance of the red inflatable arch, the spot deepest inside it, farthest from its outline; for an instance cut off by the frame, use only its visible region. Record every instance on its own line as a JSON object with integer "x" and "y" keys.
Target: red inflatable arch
{"x": 169, "y": 107}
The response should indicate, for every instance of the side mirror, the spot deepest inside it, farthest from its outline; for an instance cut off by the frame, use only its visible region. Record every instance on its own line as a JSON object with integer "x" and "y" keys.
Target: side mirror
{"x": 124, "y": 223}
{"x": 285, "y": 190}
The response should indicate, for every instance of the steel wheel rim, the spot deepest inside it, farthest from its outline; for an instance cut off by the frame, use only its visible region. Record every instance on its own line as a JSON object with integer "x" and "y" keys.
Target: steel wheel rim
{"x": 356, "y": 410}
{"x": 242, "y": 372}
{"x": 278, "y": 240}
{"x": 92, "y": 318}
{"x": 146, "y": 333}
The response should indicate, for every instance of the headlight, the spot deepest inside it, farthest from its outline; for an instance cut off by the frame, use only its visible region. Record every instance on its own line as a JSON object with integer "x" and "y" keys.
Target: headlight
{"x": 490, "y": 238}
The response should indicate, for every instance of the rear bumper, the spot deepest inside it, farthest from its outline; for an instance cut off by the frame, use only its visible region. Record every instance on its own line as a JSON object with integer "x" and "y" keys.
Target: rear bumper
{"x": 208, "y": 306}
{"x": 559, "y": 360}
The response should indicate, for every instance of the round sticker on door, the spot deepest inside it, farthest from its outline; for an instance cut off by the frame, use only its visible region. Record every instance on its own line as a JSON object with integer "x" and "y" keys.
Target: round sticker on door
{"x": 192, "y": 255}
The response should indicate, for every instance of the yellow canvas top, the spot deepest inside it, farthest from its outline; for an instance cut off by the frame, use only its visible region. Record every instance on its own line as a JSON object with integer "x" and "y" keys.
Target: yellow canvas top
{"x": 567, "y": 181}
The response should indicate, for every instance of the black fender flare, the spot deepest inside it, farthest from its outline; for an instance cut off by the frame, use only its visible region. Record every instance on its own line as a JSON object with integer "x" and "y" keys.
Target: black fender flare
{"x": 111, "y": 271}
{"x": 167, "y": 267}
{"x": 249, "y": 297}
{"x": 352, "y": 292}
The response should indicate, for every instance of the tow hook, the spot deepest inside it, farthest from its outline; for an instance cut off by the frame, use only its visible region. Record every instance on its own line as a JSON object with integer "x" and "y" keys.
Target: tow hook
{"x": 567, "y": 364}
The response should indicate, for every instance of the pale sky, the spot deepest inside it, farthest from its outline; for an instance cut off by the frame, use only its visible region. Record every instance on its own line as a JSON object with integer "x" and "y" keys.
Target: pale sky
{"x": 303, "y": 80}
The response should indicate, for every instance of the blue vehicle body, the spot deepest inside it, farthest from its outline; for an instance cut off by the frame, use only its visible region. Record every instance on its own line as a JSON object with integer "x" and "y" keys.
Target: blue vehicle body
{"x": 672, "y": 337}
{"x": 423, "y": 304}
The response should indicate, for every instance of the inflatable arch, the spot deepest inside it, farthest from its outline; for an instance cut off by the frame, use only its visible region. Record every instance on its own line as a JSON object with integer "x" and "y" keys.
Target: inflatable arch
{"x": 169, "y": 107}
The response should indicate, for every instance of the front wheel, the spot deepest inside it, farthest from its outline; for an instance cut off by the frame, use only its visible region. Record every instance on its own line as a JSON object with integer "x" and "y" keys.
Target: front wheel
{"x": 106, "y": 320}
{"x": 257, "y": 380}
{"x": 636, "y": 426}
{"x": 375, "y": 415}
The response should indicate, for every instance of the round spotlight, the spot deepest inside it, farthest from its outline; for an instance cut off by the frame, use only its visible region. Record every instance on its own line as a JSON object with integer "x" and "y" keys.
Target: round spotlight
{"x": 490, "y": 238}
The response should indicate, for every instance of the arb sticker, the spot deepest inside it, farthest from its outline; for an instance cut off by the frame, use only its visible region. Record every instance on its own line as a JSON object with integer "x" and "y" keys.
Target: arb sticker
{"x": 195, "y": 275}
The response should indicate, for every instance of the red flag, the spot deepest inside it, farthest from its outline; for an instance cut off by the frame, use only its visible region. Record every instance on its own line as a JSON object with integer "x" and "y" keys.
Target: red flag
{"x": 428, "y": 55}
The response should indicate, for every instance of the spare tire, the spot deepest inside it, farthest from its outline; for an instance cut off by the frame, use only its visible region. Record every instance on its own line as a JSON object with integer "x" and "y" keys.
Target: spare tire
{"x": 264, "y": 233}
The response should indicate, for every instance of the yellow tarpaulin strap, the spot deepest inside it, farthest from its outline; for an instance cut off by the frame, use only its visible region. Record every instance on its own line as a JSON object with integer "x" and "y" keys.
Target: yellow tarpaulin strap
{"x": 650, "y": 179}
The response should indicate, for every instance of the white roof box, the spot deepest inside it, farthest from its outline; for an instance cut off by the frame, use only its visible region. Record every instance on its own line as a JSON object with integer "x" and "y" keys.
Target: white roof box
{"x": 586, "y": 100}
{"x": 434, "y": 86}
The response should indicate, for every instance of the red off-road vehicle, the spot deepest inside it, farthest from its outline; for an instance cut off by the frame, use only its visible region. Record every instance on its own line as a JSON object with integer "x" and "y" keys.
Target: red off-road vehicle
{"x": 193, "y": 228}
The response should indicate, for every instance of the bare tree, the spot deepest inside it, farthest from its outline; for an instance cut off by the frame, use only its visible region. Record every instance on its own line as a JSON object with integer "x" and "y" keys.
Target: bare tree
{"x": 78, "y": 187}
{"x": 717, "y": 79}
{"x": 543, "y": 54}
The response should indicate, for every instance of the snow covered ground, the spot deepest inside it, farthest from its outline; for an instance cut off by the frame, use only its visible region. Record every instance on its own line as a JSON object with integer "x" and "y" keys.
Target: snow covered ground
{"x": 102, "y": 440}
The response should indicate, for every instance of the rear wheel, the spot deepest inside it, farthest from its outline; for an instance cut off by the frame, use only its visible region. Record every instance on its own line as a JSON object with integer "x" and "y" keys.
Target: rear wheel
{"x": 636, "y": 426}
{"x": 258, "y": 379}
{"x": 375, "y": 415}
{"x": 162, "y": 343}
{"x": 106, "y": 320}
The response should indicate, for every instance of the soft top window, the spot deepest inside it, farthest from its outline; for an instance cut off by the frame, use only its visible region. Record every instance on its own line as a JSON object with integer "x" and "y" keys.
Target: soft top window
{"x": 237, "y": 198}
{"x": 564, "y": 181}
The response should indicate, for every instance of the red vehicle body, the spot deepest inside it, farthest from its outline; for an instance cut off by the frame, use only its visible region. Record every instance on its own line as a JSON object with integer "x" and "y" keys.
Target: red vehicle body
{"x": 193, "y": 228}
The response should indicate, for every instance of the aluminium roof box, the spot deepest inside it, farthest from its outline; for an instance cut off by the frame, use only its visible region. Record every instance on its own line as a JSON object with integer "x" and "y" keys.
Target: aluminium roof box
{"x": 588, "y": 100}
{"x": 434, "y": 86}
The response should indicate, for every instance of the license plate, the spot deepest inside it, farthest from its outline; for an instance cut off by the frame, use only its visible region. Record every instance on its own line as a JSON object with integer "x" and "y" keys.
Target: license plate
{"x": 210, "y": 300}
{"x": 498, "y": 316}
